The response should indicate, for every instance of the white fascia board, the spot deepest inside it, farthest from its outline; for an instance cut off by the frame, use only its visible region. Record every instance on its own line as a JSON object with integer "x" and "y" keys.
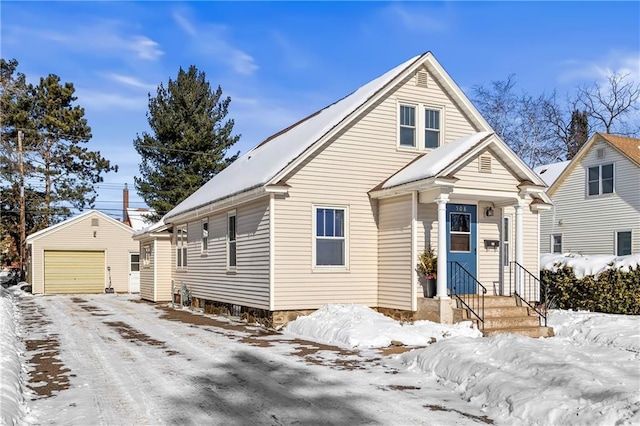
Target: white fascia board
{"x": 224, "y": 204}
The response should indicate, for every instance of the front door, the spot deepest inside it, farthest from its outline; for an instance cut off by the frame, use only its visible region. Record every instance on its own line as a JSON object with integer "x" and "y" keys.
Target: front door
{"x": 134, "y": 272}
{"x": 461, "y": 246}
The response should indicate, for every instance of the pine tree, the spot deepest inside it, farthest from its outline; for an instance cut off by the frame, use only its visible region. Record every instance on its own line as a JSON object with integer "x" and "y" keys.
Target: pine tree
{"x": 59, "y": 169}
{"x": 189, "y": 140}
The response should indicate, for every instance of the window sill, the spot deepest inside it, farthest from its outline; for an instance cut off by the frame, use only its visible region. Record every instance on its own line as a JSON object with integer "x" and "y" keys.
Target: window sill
{"x": 330, "y": 269}
{"x": 204, "y": 254}
{"x": 231, "y": 271}
{"x": 182, "y": 270}
{"x": 401, "y": 148}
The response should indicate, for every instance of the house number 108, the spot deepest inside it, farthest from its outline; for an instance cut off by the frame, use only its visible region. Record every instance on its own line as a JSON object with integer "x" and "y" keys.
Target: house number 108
{"x": 461, "y": 208}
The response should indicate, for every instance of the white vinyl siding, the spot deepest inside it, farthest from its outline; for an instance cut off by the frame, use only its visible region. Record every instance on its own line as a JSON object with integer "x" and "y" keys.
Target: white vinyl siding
{"x": 112, "y": 238}
{"x": 500, "y": 178}
{"x": 588, "y": 224}
{"x": 208, "y": 276}
{"x": 396, "y": 261}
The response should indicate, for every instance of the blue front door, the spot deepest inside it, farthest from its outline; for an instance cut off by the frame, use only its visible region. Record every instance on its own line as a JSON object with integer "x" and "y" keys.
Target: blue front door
{"x": 461, "y": 246}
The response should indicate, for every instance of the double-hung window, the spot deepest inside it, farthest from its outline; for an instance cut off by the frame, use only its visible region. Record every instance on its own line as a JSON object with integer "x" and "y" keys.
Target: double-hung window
{"x": 623, "y": 243}
{"x": 231, "y": 240}
{"x": 181, "y": 247}
{"x": 204, "y": 247}
{"x": 431, "y": 128}
{"x": 419, "y": 126}
{"x": 330, "y": 236}
{"x": 407, "y": 125}
{"x": 556, "y": 243}
{"x": 600, "y": 179}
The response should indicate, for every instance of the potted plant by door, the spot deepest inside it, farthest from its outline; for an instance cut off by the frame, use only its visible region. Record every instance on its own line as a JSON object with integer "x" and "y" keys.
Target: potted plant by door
{"x": 428, "y": 268}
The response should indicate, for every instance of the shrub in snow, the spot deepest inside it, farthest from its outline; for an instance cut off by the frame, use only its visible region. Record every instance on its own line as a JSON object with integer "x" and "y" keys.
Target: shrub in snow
{"x": 613, "y": 291}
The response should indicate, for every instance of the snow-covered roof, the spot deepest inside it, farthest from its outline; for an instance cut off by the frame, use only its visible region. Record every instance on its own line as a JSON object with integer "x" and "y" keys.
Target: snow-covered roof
{"x": 137, "y": 218}
{"x": 437, "y": 160}
{"x": 258, "y": 166}
{"x": 550, "y": 172}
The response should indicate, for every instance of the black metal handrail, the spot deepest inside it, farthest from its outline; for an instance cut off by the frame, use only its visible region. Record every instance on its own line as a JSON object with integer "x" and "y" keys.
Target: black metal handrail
{"x": 464, "y": 286}
{"x": 532, "y": 289}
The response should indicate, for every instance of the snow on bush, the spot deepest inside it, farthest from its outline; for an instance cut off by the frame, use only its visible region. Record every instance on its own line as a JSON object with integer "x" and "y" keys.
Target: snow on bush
{"x": 584, "y": 265}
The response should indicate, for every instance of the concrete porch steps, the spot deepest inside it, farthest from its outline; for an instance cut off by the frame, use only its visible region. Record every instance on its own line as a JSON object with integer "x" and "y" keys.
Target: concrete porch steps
{"x": 502, "y": 314}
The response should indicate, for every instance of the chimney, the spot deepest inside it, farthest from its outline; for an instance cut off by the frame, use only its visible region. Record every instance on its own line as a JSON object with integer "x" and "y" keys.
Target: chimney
{"x": 125, "y": 205}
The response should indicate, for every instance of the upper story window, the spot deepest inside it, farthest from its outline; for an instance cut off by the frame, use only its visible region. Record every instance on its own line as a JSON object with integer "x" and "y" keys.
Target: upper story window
{"x": 419, "y": 130}
{"x": 431, "y": 128}
{"x": 330, "y": 237}
{"x": 407, "y": 125}
{"x": 600, "y": 179}
{"x": 181, "y": 247}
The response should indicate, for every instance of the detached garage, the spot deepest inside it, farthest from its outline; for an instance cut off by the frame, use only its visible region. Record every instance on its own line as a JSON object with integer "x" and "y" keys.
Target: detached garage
{"x": 84, "y": 255}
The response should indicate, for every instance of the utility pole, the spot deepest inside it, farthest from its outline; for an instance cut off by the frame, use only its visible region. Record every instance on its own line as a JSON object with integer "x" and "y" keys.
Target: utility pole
{"x": 23, "y": 222}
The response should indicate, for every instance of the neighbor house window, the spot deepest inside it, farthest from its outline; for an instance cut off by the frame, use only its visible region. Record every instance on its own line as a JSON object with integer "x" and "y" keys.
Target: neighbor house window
{"x": 505, "y": 241}
{"x": 146, "y": 256}
{"x": 623, "y": 243}
{"x": 556, "y": 243}
{"x": 231, "y": 240}
{"x": 431, "y": 128}
{"x": 600, "y": 179}
{"x": 205, "y": 236}
{"x": 407, "y": 125}
{"x": 330, "y": 239}
{"x": 181, "y": 247}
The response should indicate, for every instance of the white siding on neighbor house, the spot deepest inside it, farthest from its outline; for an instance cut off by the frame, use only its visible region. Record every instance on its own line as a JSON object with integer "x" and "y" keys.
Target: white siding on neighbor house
{"x": 396, "y": 265}
{"x": 341, "y": 174}
{"x": 589, "y": 224}
{"x": 147, "y": 271}
{"x": 114, "y": 239}
{"x": 207, "y": 275}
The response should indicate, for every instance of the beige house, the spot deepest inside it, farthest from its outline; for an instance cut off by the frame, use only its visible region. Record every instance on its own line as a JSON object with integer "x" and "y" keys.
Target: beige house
{"x": 596, "y": 199}
{"x": 84, "y": 254}
{"x": 337, "y": 207}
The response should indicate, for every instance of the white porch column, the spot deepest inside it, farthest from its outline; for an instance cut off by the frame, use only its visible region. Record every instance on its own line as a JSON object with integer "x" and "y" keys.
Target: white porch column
{"x": 441, "y": 278}
{"x": 519, "y": 248}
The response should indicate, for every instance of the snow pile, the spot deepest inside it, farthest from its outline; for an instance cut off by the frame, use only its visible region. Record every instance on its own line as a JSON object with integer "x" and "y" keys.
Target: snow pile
{"x": 357, "y": 326}
{"x": 584, "y": 265}
{"x": 582, "y": 376}
{"x": 10, "y": 389}
{"x": 589, "y": 327}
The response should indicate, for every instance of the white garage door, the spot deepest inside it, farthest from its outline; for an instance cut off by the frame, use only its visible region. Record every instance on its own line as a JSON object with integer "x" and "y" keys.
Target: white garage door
{"x": 67, "y": 271}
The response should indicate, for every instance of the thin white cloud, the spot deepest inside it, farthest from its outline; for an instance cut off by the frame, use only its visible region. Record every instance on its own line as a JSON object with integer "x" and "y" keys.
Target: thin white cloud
{"x": 212, "y": 40}
{"x": 184, "y": 23}
{"x": 130, "y": 81}
{"x": 579, "y": 71}
{"x": 108, "y": 101}
{"x": 416, "y": 17}
{"x": 100, "y": 37}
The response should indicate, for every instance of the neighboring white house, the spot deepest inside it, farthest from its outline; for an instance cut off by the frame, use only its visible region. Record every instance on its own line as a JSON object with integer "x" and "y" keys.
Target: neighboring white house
{"x": 337, "y": 207}
{"x": 84, "y": 254}
{"x": 596, "y": 199}
{"x": 155, "y": 264}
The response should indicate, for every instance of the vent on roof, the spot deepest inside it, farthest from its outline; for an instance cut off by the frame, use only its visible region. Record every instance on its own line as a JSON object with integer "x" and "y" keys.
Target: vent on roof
{"x": 422, "y": 78}
{"x": 484, "y": 164}
{"x": 94, "y": 221}
{"x": 600, "y": 152}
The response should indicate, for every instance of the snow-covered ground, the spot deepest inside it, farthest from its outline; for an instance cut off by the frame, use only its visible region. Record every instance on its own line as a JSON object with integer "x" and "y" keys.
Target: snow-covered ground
{"x": 167, "y": 372}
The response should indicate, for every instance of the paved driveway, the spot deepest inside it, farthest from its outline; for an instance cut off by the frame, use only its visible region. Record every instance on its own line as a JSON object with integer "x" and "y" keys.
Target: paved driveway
{"x": 111, "y": 359}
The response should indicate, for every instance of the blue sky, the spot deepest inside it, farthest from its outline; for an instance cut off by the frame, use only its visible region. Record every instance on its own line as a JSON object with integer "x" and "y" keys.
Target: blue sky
{"x": 280, "y": 61}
